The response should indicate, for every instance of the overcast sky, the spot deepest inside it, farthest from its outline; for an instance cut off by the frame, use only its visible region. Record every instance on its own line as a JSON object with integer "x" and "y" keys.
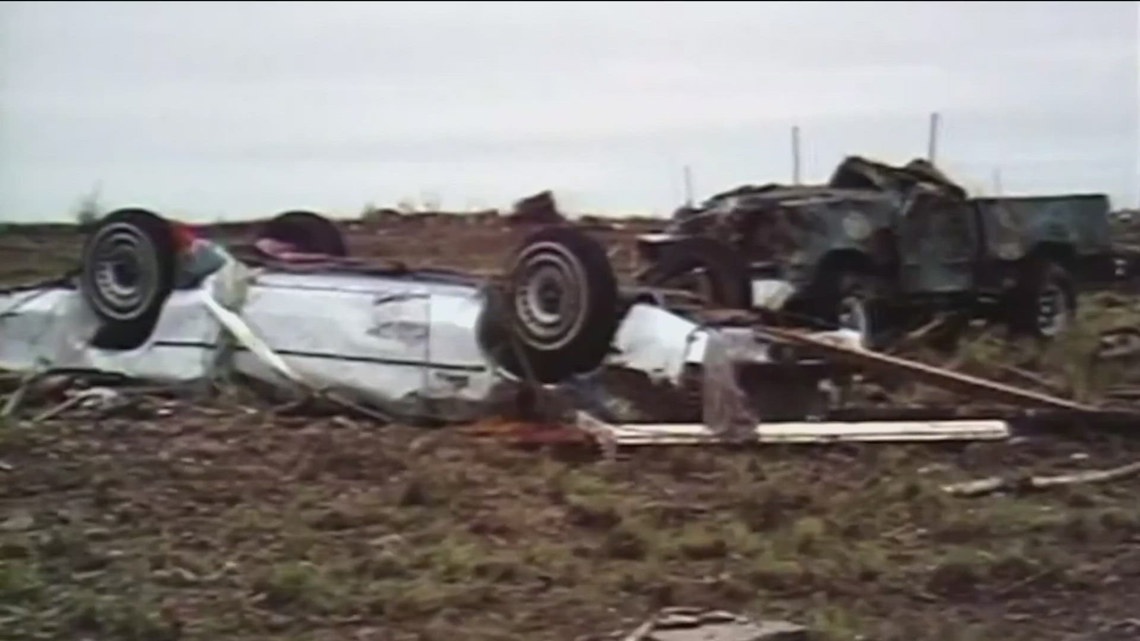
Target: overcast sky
{"x": 212, "y": 110}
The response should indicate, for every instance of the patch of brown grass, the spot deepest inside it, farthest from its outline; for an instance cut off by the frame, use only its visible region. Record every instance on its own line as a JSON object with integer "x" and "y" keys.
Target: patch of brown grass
{"x": 133, "y": 530}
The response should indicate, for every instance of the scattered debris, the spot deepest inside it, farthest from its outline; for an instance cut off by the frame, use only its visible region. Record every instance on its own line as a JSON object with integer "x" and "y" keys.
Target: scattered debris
{"x": 1031, "y": 483}
{"x": 786, "y": 433}
{"x": 94, "y": 397}
{"x": 918, "y": 336}
{"x": 696, "y": 624}
{"x": 927, "y": 373}
{"x": 428, "y": 346}
{"x": 539, "y": 209}
{"x": 1119, "y": 344}
{"x": 1030, "y": 378}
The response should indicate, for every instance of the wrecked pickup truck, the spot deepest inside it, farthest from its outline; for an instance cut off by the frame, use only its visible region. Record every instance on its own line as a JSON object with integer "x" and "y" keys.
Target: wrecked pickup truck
{"x": 880, "y": 248}
{"x": 152, "y": 300}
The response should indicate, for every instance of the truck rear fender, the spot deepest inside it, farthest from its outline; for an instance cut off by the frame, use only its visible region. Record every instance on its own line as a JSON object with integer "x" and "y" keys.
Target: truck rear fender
{"x": 1060, "y": 253}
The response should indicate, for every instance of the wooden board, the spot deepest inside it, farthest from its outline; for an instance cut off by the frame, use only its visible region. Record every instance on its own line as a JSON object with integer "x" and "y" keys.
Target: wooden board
{"x": 798, "y": 432}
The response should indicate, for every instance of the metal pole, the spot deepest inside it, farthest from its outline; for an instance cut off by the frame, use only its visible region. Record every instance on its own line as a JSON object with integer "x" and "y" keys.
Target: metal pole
{"x": 932, "y": 140}
{"x": 796, "y": 155}
{"x": 688, "y": 176}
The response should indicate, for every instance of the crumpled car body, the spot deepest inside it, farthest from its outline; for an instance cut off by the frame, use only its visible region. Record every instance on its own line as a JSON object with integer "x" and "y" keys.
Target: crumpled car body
{"x": 910, "y": 220}
{"x": 794, "y": 228}
{"x": 417, "y": 344}
{"x": 883, "y": 248}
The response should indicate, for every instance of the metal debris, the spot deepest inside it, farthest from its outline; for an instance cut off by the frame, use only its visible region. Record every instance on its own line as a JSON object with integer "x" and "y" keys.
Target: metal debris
{"x": 695, "y": 624}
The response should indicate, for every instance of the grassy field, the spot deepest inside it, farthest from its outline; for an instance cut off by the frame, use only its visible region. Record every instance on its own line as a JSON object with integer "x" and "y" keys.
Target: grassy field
{"x": 230, "y": 519}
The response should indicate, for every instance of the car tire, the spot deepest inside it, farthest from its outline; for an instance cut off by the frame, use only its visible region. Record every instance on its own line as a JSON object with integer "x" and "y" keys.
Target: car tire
{"x": 557, "y": 314}
{"x": 725, "y": 275}
{"x": 129, "y": 264}
{"x": 306, "y": 231}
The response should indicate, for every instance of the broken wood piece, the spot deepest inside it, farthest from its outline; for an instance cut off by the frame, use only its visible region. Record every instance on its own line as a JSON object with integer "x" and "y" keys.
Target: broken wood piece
{"x": 12, "y": 404}
{"x": 994, "y": 484}
{"x": 692, "y": 624}
{"x": 1124, "y": 393}
{"x": 808, "y": 432}
{"x": 921, "y": 372}
{"x": 59, "y": 408}
{"x": 600, "y": 431}
{"x": 28, "y": 382}
{"x": 1031, "y": 378}
{"x": 917, "y": 336}
{"x": 1118, "y": 344}
{"x": 10, "y": 382}
{"x": 640, "y": 632}
{"x": 351, "y": 405}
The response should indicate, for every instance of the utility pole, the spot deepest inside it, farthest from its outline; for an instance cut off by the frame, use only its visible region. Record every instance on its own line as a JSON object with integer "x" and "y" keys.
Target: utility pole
{"x": 997, "y": 181}
{"x": 932, "y": 138}
{"x": 796, "y": 155}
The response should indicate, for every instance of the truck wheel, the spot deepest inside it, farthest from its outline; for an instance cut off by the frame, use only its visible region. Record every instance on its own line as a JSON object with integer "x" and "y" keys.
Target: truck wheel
{"x": 561, "y": 305}
{"x": 128, "y": 270}
{"x": 306, "y": 231}
{"x": 1044, "y": 304}
{"x": 859, "y": 306}
{"x": 706, "y": 267}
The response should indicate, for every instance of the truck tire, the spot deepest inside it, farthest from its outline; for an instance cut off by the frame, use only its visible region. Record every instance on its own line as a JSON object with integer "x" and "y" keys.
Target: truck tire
{"x": 129, "y": 264}
{"x": 558, "y": 313}
{"x": 859, "y": 305}
{"x": 1044, "y": 302}
{"x": 307, "y": 231}
{"x": 718, "y": 270}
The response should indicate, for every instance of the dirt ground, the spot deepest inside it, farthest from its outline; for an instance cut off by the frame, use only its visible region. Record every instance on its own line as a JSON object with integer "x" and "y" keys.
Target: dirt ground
{"x": 227, "y": 518}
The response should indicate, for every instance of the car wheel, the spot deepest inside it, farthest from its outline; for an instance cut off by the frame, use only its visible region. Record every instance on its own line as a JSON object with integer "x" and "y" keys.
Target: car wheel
{"x": 558, "y": 312}
{"x": 128, "y": 270}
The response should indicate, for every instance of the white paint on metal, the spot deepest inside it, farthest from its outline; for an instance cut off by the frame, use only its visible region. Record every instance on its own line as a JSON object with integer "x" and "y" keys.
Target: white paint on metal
{"x": 384, "y": 339}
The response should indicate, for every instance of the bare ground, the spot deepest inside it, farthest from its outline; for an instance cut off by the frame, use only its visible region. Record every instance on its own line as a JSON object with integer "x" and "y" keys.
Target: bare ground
{"x": 224, "y": 519}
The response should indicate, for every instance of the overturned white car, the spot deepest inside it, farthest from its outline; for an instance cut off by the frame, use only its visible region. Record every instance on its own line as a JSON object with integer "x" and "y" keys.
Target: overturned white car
{"x": 151, "y": 301}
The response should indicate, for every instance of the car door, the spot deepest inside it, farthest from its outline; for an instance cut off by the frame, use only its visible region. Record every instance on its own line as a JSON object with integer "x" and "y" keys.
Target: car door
{"x": 346, "y": 331}
{"x": 939, "y": 240}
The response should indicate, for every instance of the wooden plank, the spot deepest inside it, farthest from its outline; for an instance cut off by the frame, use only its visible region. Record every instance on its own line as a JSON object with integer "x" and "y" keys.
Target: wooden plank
{"x": 807, "y": 432}
{"x": 936, "y": 376}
